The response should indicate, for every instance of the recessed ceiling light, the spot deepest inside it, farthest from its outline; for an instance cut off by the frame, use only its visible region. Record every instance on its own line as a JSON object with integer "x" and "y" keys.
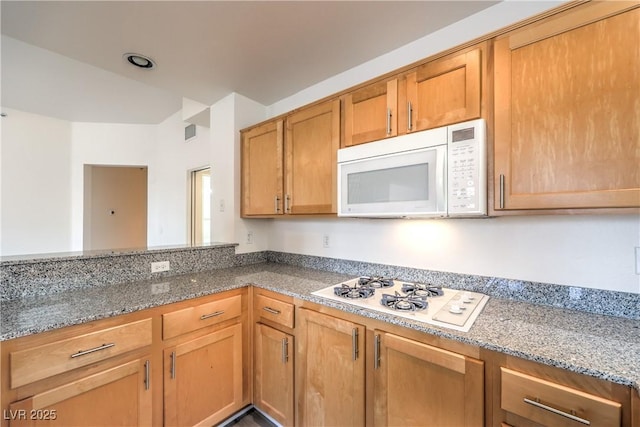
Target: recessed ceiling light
{"x": 139, "y": 60}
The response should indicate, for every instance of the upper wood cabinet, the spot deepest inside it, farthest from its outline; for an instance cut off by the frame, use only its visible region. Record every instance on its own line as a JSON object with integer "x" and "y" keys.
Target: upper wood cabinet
{"x": 312, "y": 140}
{"x": 262, "y": 170}
{"x": 371, "y": 113}
{"x": 289, "y": 167}
{"x": 567, "y": 109}
{"x": 442, "y": 92}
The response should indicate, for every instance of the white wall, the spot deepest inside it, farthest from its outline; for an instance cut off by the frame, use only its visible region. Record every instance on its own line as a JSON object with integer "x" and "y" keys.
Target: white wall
{"x": 594, "y": 251}
{"x": 228, "y": 117}
{"x": 36, "y": 190}
{"x": 105, "y": 144}
{"x": 42, "y": 177}
{"x": 171, "y": 163}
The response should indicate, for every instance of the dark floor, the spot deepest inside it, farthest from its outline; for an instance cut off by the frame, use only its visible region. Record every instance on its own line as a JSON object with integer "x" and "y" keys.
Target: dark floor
{"x": 252, "y": 418}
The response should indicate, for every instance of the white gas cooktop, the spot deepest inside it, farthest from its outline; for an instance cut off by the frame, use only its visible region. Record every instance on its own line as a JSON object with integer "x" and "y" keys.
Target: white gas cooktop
{"x": 447, "y": 308}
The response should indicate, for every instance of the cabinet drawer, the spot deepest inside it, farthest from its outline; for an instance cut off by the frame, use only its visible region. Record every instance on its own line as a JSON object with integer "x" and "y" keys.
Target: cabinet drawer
{"x": 46, "y": 360}
{"x": 549, "y": 403}
{"x": 272, "y": 309}
{"x": 192, "y": 318}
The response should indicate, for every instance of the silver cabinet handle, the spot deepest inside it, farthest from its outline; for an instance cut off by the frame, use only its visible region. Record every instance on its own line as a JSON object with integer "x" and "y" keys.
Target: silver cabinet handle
{"x": 147, "y": 375}
{"x": 409, "y": 116}
{"x": 277, "y": 204}
{"x": 388, "y": 121}
{"x": 92, "y": 350}
{"x": 214, "y": 314}
{"x": 287, "y": 201}
{"x": 376, "y": 352}
{"x": 354, "y": 343}
{"x": 172, "y": 369}
{"x": 501, "y": 191}
{"x": 537, "y": 404}
{"x": 285, "y": 350}
{"x": 271, "y": 310}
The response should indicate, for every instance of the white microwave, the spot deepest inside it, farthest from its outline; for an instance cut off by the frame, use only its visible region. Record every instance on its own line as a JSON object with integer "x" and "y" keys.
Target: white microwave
{"x": 438, "y": 172}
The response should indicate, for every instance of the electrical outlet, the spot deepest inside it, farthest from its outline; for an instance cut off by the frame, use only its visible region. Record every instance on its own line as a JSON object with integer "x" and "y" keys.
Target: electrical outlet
{"x": 160, "y": 266}
{"x": 574, "y": 293}
{"x": 249, "y": 237}
{"x": 221, "y": 205}
{"x": 160, "y": 288}
{"x": 326, "y": 241}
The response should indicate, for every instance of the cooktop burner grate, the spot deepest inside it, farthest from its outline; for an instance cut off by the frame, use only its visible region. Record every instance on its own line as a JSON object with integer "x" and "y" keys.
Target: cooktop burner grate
{"x": 404, "y": 302}
{"x": 353, "y": 292}
{"x": 421, "y": 289}
{"x": 376, "y": 281}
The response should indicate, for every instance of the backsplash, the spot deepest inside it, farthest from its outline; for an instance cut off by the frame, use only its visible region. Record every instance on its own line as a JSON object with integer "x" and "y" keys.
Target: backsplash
{"x": 19, "y": 279}
{"x": 26, "y": 278}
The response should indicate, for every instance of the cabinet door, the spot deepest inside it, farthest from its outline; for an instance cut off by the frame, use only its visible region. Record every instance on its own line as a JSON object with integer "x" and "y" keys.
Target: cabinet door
{"x": 311, "y": 147}
{"x": 273, "y": 376}
{"x": 119, "y": 396}
{"x": 262, "y": 177}
{"x": 444, "y": 91}
{"x": 417, "y": 384}
{"x": 331, "y": 381}
{"x": 371, "y": 113}
{"x": 203, "y": 378}
{"x": 567, "y": 102}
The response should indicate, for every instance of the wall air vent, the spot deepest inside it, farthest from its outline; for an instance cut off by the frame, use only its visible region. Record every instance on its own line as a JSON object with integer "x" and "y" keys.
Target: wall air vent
{"x": 189, "y": 132}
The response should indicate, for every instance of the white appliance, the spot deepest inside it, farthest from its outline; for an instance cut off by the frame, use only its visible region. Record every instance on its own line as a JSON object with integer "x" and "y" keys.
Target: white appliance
{"x": 434, "y": 305}
{"x": 433, "y": 173}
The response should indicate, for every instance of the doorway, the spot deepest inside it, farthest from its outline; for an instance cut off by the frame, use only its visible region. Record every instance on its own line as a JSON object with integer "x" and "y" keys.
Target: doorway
{"x": 200, "y": 206}
{"x": 115, "y": 207}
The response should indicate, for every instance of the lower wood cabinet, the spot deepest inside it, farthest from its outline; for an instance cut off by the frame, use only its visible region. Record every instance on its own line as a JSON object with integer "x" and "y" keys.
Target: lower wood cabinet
{"x": 331, "y": 371}
{"x": 273, "y": 373}
{"x": 416, "y": 384}
{"x": 203, "y": 378}
{"x": 118, "y": 396}
{"x": 179, "y": 364}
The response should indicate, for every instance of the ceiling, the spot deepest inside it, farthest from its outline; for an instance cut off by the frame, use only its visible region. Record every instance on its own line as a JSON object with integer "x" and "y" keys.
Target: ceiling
{"x": 64, "y": 59}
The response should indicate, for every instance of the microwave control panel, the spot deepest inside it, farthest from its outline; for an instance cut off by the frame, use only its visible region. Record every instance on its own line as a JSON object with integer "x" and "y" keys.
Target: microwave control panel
{"x": 467, "y": 169}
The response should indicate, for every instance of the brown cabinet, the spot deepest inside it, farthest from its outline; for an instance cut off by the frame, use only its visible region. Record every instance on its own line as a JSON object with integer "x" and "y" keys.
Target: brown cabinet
{"x": 416, "y": 384}
{"x": 443, "y": 91}
{"x": 118, "y": 396}
{"x": 331, "y": 371}
{"x": 291, "y": 169}
{"x": 262, "y": 170}
{"x": 203, "y": 378}
{"x": 312, "y": 139}
{"x": 528, "y": 394}
{"x": 203, "y": 361}
{"x": 567, "y": 102}
{"x": 274, "y": 356}
{"x": 55, "y": 378}
{"x": 273, "y": 373}
{"x": 548, "y": 403}
{"x": 371, "y": 113}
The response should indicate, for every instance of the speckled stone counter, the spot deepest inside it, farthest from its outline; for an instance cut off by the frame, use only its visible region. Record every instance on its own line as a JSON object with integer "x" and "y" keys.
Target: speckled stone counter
{"x": 604, "y": 347}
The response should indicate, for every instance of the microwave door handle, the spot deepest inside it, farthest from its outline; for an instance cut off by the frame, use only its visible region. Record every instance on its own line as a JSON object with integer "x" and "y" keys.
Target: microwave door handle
{"x": 441, "y": 179}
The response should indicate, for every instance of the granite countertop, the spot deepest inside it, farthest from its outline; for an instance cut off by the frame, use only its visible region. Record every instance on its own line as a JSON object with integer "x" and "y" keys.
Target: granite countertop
{"x": 600, "y": 346}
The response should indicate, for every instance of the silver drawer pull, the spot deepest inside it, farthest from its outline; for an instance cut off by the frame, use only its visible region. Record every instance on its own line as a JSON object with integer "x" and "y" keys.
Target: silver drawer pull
{"x": 537, "y": 404}
{"x": 214, "y": 314}
{"x": 92, "y": 350}
{"x": 271, "y": 310}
